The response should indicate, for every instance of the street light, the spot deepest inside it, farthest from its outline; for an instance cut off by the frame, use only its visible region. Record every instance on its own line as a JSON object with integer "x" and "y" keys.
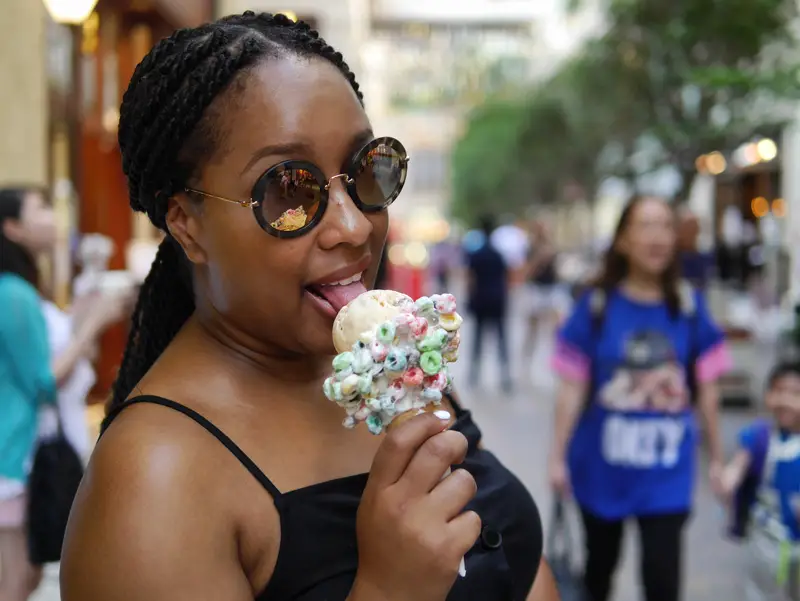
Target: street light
{"x": 70, "y": 12}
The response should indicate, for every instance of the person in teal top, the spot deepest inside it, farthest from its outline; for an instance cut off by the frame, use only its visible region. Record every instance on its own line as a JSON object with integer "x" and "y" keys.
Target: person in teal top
{"x": 27, "y": 381}
{"x": 30, "y": 371}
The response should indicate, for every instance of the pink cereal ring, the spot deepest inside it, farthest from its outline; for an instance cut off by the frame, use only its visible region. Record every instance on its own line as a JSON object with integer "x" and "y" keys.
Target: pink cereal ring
{"x": 404, "y": 320}
{"x": 437, "y": 382}
{"x": 419, "y": 327}
{"x": 445, "y": 303}
{"x": 413, "y": 377}
{"x": 378, "y": 351}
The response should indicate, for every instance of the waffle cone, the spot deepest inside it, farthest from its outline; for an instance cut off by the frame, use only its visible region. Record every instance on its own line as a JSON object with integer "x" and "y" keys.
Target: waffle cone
{"x": 404, "y": 417}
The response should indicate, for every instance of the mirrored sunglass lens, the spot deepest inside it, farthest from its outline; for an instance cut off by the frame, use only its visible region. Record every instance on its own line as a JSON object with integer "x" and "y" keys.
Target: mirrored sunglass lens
{"x": 380, "y": 174}
{"x": 290, "y": 199}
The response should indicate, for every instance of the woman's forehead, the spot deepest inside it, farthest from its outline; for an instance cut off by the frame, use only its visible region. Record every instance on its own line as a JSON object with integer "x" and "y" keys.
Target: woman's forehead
{"x": 294, "y": 101}
{"x": 651, "y": 208}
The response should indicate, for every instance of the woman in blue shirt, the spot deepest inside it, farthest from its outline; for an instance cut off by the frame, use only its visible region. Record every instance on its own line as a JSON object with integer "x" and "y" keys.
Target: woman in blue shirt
{"x": 639, "y": 354}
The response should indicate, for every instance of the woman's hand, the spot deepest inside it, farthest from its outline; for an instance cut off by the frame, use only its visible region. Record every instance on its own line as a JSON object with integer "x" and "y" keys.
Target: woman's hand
{"x": 412, "y": 528}
{"x": 109, "y": 309}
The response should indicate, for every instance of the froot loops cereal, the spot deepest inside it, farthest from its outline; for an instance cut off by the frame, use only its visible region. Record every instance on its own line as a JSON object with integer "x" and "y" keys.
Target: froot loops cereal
{"x": 393, "y": 356}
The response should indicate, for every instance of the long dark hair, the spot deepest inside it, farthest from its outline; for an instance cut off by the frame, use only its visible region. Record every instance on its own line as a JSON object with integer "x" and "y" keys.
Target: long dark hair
{"x": 615, "y": 265}
{"x": 13, "y": 257}
{"x": 165, "y": 135}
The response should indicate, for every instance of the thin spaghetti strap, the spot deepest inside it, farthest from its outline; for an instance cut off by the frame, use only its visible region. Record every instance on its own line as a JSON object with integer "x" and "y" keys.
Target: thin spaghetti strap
{"x": 248, "y": 463}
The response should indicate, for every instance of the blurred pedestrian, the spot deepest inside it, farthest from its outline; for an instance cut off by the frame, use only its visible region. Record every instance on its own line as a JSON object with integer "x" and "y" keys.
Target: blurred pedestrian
{"x": 42, "y": 359}
{"x": 545, "y": 295}
{"x": 696, "y": 265}
{"x": 222, "y": 472}
{"x": 27, "y": 382}
{"x": 487, "y": 294}
{"x": 639, "y": 355}
{"x": 445, "y": 259}
{"x": 512, "y": 242}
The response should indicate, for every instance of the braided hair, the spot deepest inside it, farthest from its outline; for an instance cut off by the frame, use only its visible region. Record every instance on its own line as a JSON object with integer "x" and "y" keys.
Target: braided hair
{"x": 167, "y": 131}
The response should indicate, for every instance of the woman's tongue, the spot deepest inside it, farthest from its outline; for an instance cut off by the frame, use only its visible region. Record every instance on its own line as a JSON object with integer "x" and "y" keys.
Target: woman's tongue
{"x": 339, "y": 296}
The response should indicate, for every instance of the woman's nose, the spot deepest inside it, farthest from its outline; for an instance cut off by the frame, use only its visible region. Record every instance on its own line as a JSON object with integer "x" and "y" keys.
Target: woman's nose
{"x": 343, "y": 223}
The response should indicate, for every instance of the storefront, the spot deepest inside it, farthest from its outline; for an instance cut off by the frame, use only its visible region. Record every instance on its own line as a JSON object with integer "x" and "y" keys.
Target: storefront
{"x": 89, "y": 67}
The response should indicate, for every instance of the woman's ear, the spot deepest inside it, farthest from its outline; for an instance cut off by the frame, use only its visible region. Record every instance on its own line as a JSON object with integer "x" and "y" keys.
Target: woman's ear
{"x": 13, "y": 230}
{"x": 183, "y": 223}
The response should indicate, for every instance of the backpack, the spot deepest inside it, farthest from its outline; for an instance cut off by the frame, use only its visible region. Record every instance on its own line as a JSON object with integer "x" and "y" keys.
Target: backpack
{"x": 688, "y": 307}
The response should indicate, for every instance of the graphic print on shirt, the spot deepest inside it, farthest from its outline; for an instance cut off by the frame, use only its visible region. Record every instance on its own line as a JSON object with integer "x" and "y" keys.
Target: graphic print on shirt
{"x": 777, "y": 505}
{"x": 645, "y": 397}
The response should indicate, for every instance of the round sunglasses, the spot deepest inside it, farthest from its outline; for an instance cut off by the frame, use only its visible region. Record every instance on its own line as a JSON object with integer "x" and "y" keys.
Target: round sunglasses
{"x": 290, "y": 198}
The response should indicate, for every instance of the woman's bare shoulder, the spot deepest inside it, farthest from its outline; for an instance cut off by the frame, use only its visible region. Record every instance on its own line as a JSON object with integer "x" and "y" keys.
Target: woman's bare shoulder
{"x": 155, "y": 515}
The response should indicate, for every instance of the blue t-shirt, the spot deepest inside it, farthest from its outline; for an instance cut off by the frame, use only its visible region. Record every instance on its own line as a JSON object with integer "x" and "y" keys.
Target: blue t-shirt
{"x": 633, "y": 450}
{"x": 778, "y": 502}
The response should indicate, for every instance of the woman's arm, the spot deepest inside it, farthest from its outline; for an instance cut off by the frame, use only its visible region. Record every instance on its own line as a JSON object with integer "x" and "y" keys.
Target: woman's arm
{"x": 569, "y": 405}
{"x": 544, "y": 587}
{"x": 708, "y": 405}
{"x": 102, "y": 313}
{"x": 734, "y": 473}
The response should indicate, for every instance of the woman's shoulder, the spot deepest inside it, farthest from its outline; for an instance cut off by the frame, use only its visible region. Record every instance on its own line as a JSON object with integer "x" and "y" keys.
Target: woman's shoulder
{"x": 159, "y": 499}
{"x": 15, "y": 288}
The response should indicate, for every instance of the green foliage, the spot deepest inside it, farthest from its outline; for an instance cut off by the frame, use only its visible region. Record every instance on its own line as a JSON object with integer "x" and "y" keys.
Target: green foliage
{"x": 688, "y": 76}
{"x": 487, "y": 172}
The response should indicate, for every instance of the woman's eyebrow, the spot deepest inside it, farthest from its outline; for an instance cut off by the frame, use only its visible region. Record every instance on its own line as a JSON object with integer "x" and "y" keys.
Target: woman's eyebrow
{"x": 285, "y": 149}
{"x": 302, "y": 148}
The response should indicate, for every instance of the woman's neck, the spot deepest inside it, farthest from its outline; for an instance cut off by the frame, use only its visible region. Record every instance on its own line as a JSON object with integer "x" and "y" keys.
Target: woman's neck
{"x": 252, "y": 358}
{"x": 643, "y": 287}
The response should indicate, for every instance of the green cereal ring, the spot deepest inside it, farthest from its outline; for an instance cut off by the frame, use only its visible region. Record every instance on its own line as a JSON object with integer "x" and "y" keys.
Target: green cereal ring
{"x": 327, "y": 389}
{"x": 386, "y": 332}
{"x": 342, "y": 361}
{"x": 431, "y": 362}
{"x": 424, "y": 305}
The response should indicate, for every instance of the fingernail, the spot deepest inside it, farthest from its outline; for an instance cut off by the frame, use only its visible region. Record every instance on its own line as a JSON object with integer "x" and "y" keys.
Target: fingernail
{"x": 442, "y": 415}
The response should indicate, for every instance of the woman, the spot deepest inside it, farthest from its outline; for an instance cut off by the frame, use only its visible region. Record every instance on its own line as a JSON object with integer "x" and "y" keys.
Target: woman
{"x": 638, "y": 356}
{"x": 546, "y": 295}
{"x": 28, "y": 377}
{"x": 232, "y": 333}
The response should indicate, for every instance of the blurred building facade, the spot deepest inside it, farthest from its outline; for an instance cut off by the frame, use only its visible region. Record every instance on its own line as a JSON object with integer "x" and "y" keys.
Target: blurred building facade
{"x": 23, "y": 101}
{"x": 422, "y": 65}
{"x": 59, "y": 109}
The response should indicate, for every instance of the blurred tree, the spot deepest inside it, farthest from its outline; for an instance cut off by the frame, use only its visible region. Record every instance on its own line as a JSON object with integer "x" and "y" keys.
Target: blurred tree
{"x": 487, "y": 175}
{"x": 703, "y": 75}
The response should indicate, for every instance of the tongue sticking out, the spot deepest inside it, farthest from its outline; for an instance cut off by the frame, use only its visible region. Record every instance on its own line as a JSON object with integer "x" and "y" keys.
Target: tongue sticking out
{"x": 339, "y": 296}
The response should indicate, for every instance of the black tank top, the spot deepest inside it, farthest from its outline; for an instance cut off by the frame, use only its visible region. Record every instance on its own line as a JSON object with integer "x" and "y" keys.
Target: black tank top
{"x": 318, "y": 557}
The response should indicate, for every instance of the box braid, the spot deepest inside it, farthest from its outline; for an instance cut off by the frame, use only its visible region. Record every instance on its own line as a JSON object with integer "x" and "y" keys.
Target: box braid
{"x": 167, "y": 130}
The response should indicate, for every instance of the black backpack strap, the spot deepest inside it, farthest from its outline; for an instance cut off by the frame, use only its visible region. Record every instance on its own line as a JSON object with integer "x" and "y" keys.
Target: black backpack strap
{"x": 234, "y": 449}
{"x": 688, "y": 309}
